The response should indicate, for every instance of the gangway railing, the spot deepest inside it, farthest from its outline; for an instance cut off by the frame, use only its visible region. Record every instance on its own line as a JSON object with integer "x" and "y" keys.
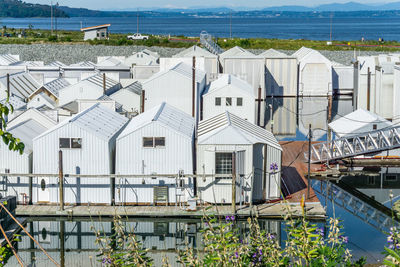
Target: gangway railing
{"x": 364, "y": 143}
{"x": 207, "y": 41}
{"x": 356, "y": 203}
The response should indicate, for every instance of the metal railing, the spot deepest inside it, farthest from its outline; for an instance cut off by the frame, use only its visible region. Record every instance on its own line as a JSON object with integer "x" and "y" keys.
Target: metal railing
{"x": 364, "y": 143}
{"x": 207, "y": 41}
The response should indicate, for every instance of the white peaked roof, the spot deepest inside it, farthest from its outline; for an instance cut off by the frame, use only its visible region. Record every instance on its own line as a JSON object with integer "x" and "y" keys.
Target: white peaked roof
{"x": 32, "y": 114}
{"x": 135, "y": 87}
{"x": 228, "y": 128}
{"x": 83, "y": 64}
{"x": 304, "y": 52}
{"x": 236, "y": 52}
{"x": 8, "y": 59}
{"x": 195, "y": 51}
{"x": 16, "y": 102}
{"x": 230, "y": 80}
{"x": 56, "y": 64}
{"x": 111, "y": 62}
{"x": 118, "y": 106}
{"x": 148, "y": 52}
{"x": 271, "y": 53}
{"x": 183, "y": 69}
{"x": 98, "y": 120}
{"x": 26, "y": 131}
{"x": 98, "y": 81}
{"x": 354, "y": 122}
{"x": 56, "y": 85}
{"x": 21, "y": 84}
{"x": 165, "y": 114}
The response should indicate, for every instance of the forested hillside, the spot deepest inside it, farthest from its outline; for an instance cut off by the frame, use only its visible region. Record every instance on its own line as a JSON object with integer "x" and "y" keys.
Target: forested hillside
{"x": 20, "y": 9}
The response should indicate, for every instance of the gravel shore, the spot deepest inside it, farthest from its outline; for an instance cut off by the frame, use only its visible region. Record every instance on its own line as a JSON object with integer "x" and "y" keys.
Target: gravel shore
{"x": 70, "y": 54}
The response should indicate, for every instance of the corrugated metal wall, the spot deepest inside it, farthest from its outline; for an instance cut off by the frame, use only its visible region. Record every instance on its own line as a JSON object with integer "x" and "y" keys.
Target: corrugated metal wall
{"x": 281, "y": 76}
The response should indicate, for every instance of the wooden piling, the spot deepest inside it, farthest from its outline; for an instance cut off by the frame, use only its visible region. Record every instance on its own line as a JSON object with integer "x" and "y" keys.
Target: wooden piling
{"x": 143, "y": 100}
{"x": 61, "y": 179}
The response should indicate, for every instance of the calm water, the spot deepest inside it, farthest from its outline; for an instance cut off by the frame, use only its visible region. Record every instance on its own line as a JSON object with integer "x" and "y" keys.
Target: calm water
{"x": 284, "y": 28}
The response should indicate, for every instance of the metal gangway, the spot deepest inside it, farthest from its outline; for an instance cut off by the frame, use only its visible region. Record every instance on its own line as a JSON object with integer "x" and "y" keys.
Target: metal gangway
{"x": 364, "y": 143}
{"x": 357, "y": 203}
{"x": 207, "y": 41}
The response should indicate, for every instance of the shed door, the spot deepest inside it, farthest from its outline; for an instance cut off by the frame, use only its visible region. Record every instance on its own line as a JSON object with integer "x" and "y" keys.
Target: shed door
{"x": 241, "y": 177}
{"x": 315, "y": 79}
{"x": 44, "y": 190}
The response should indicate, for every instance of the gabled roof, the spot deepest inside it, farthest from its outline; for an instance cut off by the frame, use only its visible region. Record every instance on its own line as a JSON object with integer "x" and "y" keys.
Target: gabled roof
{"x": 97, "y": 80}
{"x": 354, "y": 122}
{"x": 235, "y": 130}
{"x": 96, "y": 27}
{"x": 98, "y": 120}
{"x": 148, "y": 52}
{"x": 111, "y": 62}
{"x": 165, "y": 114}
{"x": 21, "y": 84}
{"x": 84, "y": 64}
{"x": 56, "y": 85}
{"x": 183, "y": 69}
{"x": 7, "y": 59}
{"x": 196, "y": 52}
{"x": 271, "y": 53}
{"x": 16, "y": 102}
{"x": 27, "y": 131}
{"x": 304, "y": 52}
{"x": 118, "y": 106}
{"x": 135, "y": 87}
{"x": 32, "y": 114}
{"x": 236, "y": 52}
{"x": 230, "y": 80}
{"x": 56, "y": 64}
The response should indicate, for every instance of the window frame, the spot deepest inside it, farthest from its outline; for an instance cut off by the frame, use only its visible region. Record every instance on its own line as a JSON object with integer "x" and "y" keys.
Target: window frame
{"x": 224, "y": 169}
{"x": 241, "y": 101}
{"x": 218, "y": 101}
{"x": 144, "y": 139}
{"x": 226, "y": 101}
{"x": 70, "y": 139}
{"x": 153, "y": 141}
{"x": 390, "y": 175}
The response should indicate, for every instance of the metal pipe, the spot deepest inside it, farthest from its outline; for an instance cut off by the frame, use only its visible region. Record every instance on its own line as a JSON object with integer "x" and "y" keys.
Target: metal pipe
{"x": 61, "y": 179}
{"x": 309, "y": 161}
{"x": 143, "y": 100}
{"x": 259, "y": 107}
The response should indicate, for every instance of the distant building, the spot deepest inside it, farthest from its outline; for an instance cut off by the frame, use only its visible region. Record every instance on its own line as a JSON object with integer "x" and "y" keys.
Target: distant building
{"x": 96, "y": 32}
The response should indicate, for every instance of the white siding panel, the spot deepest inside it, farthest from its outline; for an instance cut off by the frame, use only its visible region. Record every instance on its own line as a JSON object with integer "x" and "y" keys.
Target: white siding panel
{"x": 281, "y": 76}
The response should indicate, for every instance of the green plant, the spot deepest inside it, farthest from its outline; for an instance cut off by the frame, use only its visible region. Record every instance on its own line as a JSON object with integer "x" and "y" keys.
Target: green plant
{"x": 13, "y": 143}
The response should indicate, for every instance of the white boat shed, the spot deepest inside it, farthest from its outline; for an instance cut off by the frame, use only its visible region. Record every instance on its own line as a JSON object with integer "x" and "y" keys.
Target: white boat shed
{"x": 258, "y": 160}
{"x": 229, "y": 93}
{"x": 87, "y": 141}
{"x": 99, "y": 32}
{"x": 158, "y": 141}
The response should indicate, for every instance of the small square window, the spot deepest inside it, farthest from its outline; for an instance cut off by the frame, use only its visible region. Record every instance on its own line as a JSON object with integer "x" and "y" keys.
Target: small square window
{"x": 374, "y": 127}
{"x": 228, "y": 101}
{"x": 159, "y": 141}
{"x": 371, "y": 180}
{"x": 148, "y": 142}
{"x": 239, "y": 101}
{"x": 76, "y": 143}
{"x": 218, "y": 101}
{"x": 65, "y": 143}
{"x": 223, "y": 163}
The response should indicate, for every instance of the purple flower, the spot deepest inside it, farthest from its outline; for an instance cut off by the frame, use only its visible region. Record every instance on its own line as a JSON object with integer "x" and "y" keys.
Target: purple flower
{"x": 232, "y": 218}
{"x": 320, "y": 231}
{"x": 260, "y": 252}
{"x": 227, "y": 218}
{"x": 345, "y": 239}
{"x": 236, "y": 255}
{"x": 254, "y": 255}
{"x": 273, "y": 167}
{"x": 270, "y": 236}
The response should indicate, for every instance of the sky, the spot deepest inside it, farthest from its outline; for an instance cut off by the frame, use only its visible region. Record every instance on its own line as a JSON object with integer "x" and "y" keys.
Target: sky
{"x": 134, "y": 4}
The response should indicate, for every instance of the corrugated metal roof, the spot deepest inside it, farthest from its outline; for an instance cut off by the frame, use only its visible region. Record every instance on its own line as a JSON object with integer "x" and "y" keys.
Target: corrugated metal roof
{"x": 111, "y": 62}
{"x": 236, "y": 130}
{"x": 196, "y": 52}
{"x": 7, "y": 59}
{"x": 183, "y": 69}
{"x": 135, "y": 87}
{"x": 83, "y": 64}
{"x": 231, "y": 80}
{"x": 98, "y": 80}
{"x": 29, "y": 63}
{"x": 235, "y": 52}
{"x": 118, "y": 106}
{"x": 21, "y": 84}
{"x": 27, "y": 131}
{"x": 356, "y": 120}
{"x": 16, "y": 102}
{"x": 272, "y": 53}
{"x": 100, "y": 121}
{"x": 150, "y": 53}
{"x": 56, "y": 64}
{"x": 165, "y": 114}
{"x": 55, "y": 86}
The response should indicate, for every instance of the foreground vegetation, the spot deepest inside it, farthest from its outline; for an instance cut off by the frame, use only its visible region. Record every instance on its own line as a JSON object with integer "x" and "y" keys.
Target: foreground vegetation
{"x": 35, "y": 36}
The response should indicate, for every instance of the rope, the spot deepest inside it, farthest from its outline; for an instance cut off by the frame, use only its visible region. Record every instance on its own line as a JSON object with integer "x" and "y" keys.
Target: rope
{"x": 23, "y": 228}
{"x": 11, "y": 247}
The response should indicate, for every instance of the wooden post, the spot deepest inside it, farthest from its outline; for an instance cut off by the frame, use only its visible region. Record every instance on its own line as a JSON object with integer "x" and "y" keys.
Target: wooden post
{"x": 112, "y": 188}
{"x": 8, "y": 84}
{"x": 309, "y": 161}
{"x": 104, "y": 84}
{"x": 143, "y": 100}
{"x": 61, "y": 179}
{"x": 234, "y": 183}
{"x": 30, "y": 190}
{"x": 259, "y": 107}
{"x": 369, "y": 90}
{"x": 330, "y": 100}
{"x": 193, "y": 86}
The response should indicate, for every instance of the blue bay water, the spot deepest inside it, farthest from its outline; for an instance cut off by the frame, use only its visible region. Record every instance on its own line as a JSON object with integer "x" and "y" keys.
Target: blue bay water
{"x": 282, "y": 28}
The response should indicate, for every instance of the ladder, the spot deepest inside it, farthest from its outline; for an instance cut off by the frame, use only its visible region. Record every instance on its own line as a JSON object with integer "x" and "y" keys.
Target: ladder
{"x": 357, "y": 204}
{"x": 365, "y": 143}
{"x": 207, "y": 41}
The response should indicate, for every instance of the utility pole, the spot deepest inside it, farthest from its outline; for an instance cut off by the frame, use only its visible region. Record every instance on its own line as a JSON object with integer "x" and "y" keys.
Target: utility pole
{"x": 230, "y": 25}
{"x": 61, "y": 179}
{"x": 137, "y": 22}
{"x": 309, "y": 161}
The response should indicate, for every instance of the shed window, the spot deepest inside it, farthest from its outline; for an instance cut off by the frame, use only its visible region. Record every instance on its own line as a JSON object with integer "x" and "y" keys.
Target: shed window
{"x": 65, "y": 143}
{"x": 148, "y": 142}
{"x": 98, "y": 34}
{"x": 228, "y": 101}
{"x": 223, "y": 163}
{"x": 239, "y": 102}
{"x": 390, "y": 177}
{"x": 218, "y": 101}
{"x": 374, "y": 126}
{"x": 76, "y": 142}
{"x": 371, "y": 180}
{"x": 159, "y": 141}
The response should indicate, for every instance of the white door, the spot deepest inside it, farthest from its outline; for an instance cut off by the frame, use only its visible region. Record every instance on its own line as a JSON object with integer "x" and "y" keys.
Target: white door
{"x": 241, "y": 181}
{"x": 44, "y": 230}
{"x": 315, "y": 79}
{"x": 44, "y": 190}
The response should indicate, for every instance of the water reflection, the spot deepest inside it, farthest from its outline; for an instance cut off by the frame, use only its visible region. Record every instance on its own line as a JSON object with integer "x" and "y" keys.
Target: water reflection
{"x": 72, "y": 243}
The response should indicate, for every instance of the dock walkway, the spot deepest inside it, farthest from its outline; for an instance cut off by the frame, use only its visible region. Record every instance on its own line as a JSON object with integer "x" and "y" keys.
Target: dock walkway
{"x": 264, "y": 211}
